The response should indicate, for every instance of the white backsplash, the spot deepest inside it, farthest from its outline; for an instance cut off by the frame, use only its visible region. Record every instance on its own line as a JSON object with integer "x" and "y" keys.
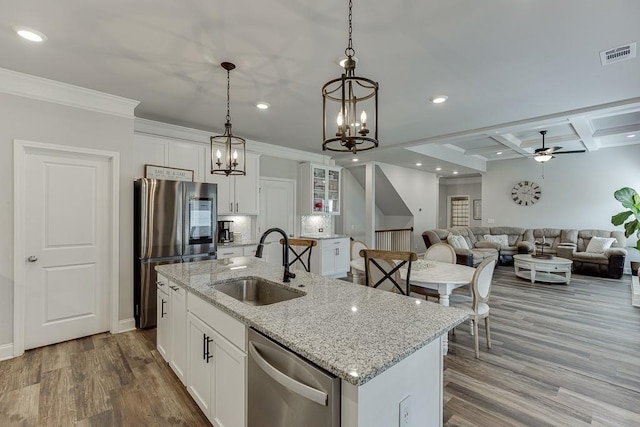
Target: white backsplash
{"x": 243, "y": 224}
{"x": 312, "y": 224}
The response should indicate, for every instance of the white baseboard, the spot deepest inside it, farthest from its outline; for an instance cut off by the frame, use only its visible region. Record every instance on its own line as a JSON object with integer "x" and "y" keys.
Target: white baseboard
{"x": 6, "y": 351}
{"x": 126, "y": 325}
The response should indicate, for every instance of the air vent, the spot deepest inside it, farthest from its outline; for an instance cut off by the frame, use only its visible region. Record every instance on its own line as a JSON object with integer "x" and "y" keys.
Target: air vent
{"x": 617, "y": 54}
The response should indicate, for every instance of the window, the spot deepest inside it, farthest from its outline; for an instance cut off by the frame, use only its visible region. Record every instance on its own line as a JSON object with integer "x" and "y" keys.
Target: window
{"x": 458, "y": 211}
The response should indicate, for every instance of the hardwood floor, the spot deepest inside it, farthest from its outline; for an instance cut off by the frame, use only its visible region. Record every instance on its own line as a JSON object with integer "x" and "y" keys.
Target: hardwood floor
{"x": 561, "y": 356}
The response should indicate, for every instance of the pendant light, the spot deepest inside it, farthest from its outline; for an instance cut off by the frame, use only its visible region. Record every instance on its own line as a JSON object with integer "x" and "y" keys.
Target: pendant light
{"x": 227, "y": 151}
{"x": 350, "y": 107}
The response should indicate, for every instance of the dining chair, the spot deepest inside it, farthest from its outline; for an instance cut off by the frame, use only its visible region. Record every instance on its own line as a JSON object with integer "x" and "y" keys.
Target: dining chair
{"x": 479, "y": 306}
{"x": 356, "y": 247}
{"x": 441, "y": 252}
{"x": 382, "y": 269}
{"x": 298, "y": 248}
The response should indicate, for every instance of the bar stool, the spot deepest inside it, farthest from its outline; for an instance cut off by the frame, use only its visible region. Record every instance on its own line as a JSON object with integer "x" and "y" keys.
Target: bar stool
{"x": 298, "y": 248}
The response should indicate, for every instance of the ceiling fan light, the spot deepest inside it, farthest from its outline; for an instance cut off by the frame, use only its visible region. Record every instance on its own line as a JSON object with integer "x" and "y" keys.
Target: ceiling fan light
{"x": 543, "y": 158}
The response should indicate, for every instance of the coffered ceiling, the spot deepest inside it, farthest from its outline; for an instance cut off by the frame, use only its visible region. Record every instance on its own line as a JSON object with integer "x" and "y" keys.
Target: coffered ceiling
{"x": 510, "y": 69}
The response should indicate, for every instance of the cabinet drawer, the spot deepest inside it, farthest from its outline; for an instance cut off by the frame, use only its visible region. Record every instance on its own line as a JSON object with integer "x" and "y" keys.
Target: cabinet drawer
{"x": 229, "y": 251}
{"x": 249, "y": 250}
{"x": 230, "y": 328}
{"x": 162, "y": 282}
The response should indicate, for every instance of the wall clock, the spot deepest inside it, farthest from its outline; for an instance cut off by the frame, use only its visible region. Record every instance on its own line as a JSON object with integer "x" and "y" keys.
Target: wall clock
{"x": 526, "y": 193}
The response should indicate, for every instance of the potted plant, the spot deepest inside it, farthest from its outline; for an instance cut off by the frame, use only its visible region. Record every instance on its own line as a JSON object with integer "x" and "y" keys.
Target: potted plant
{"x": 630, "y": 200}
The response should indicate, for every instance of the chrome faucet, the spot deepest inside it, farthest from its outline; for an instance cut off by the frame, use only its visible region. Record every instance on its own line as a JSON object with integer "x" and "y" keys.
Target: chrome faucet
{"x": 285, "y": 255}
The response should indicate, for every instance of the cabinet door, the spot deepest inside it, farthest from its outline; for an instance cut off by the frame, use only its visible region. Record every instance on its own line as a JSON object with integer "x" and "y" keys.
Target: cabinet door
{"x": 224, "y": 192}
{"x": 148, "y": 150}
{"x": 333, "y": 191}
{"x": 163, "y": 330}
{"x": 199, "y": 365}
{"x": 319, "y": 189}
{"x": 229, "y": 407}
{"x": 342, "y": 257}
{"x": 190, "y": 156}
{"x": 228, "y": 252}
{"x": 246, "y": 188}
{"x": 178, "y": 332}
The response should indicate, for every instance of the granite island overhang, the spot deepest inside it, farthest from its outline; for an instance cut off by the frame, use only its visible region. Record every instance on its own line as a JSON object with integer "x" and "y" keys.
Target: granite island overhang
{"x": 353, "y": 331}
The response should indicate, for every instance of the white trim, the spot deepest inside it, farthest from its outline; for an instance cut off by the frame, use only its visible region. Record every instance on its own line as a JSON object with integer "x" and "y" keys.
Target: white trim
{"x": 126, "y": 325}
{"x": 150, "y": 127}
{"x": 6, "y": 351}
{"x": 19, "y": 148}
{"x": 28, "y": 86}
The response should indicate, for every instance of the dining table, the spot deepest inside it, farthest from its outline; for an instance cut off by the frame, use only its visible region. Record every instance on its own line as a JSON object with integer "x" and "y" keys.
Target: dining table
{"x": 440, "y": 276}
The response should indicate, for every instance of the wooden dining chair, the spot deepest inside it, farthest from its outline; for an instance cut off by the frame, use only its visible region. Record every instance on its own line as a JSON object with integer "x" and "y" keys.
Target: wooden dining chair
{"x": 479, "y": 306}
{"x": 382, "y": 269}
{"x": 298, "y": 248}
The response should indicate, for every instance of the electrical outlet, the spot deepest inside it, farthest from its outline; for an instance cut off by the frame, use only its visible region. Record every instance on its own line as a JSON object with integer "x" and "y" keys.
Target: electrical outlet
{"x": 491, "y": 221}
{"x": 320, "y": 230}
{"x": 405, "y": 412}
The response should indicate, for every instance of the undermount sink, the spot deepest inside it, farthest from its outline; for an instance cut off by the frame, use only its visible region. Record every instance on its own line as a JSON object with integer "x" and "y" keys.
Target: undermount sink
{"x": 255, "y": 291}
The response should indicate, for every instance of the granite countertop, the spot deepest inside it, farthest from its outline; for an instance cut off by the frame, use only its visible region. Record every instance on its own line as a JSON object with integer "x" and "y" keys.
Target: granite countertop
{"x": 353, "y": 331}
{"x": 321, "y": 236}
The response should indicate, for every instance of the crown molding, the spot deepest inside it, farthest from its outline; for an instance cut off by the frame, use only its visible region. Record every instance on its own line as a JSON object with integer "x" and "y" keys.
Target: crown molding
{"x": 28, "y": 86}
{"x": 167, "y": 130}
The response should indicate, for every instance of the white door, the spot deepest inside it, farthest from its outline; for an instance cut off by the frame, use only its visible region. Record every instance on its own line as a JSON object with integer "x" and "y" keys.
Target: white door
{"x": 277, "y": 209}
{"x": 67, "y": 207}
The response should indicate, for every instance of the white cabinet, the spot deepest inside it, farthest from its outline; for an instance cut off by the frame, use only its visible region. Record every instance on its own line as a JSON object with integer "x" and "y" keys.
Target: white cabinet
{"x": 319, "y": 189}
{"x": 163, "y": 330}
{"x": 331, "y": 257}
{"x": 171, "y": 327}
{"x": 238, "y": 194}
{"x": 178, "y": 340}
{"x": 156, "y": 150}
{"x": 230, "y": 251}
{"x": 217, "y": 363}
{"x": 249, "y": 250}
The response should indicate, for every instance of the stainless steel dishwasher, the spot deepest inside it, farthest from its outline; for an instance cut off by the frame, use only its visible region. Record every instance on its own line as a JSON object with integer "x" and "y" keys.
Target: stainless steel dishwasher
{"x": 286, "y": 390}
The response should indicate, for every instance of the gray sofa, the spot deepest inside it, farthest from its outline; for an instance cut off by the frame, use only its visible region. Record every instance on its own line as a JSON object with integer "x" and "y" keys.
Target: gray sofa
{"x": 565, "y": 243}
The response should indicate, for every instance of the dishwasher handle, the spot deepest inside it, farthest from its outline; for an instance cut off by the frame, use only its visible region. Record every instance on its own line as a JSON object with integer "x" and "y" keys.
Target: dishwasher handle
{"x": 317, "y": 396}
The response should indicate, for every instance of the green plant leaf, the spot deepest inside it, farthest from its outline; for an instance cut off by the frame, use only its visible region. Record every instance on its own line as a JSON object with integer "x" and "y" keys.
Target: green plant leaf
{"x": 638, "y": 245}
{"x": 629, "y": 198}
{"x": 631, "y": 227}
{"x": 620, "y": 218}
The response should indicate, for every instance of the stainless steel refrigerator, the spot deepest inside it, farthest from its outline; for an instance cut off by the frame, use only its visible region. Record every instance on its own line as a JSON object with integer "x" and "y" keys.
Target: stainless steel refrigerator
{"x": 174, "y": 221}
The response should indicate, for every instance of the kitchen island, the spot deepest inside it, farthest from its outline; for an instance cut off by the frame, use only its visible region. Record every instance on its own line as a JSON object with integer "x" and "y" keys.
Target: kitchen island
{"x": 384, "y": 347}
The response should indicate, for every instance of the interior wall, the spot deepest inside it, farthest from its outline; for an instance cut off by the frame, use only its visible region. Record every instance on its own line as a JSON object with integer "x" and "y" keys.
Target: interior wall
{"x": 471, "y": 187}
{"x": 419, "y": 190}
{"x": 275, "y": 167}
{"x": 577, "y": 190}
{"x": 39, "y": 121}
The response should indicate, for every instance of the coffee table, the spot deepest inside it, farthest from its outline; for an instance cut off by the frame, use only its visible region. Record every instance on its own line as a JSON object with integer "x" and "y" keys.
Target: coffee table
{"x": 543, "y": 269}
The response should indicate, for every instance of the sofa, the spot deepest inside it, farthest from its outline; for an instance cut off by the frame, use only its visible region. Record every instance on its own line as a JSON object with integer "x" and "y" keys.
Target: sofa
{"x": 565, "y": 243}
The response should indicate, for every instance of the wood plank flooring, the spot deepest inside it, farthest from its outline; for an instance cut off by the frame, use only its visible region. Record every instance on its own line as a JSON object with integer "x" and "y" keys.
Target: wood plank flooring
{"x": 563, "y": 355}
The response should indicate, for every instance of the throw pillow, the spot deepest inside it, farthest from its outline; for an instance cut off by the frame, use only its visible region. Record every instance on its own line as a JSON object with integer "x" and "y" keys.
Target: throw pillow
{"x": 598, "y": 245}
{"x": 457, "y": 241}
{"x": 503, "y": 239}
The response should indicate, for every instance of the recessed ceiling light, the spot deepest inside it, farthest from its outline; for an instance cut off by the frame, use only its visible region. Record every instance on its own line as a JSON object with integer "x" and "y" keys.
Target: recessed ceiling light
{"x": 439, "y": 99}
{"x": 354, "y": 160}
{"x": 438, "y": 169}
{"x": 633, "y": 135}
{"x": 29, "y": 34}
{"x": 262, "y": 105}
{"x": 499, "y": 153}
{"x": 418, "y": 164}
{"x": 455, "y": 172}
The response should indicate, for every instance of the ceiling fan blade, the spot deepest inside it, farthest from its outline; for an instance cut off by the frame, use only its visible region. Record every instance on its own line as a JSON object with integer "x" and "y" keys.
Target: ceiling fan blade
{"x": 570, "y": 152}
{"x": 547, "y": 150}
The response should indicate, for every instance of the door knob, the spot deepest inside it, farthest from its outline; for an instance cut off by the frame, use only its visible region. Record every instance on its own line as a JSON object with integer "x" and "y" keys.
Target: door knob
{"x": 32, "y": 258}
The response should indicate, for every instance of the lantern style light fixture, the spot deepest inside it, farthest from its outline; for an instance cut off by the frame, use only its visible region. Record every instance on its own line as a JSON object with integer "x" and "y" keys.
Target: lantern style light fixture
{"x": 228, "y": 152}
{"x": 350, "y": 107}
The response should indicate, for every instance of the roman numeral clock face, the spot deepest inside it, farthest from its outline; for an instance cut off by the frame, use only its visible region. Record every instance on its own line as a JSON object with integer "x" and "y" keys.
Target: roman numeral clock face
{"x": 526, "y": 193}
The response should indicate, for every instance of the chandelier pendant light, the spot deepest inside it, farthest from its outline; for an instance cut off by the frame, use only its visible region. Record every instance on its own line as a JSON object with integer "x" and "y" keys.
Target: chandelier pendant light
{"x": 350, "y": 107}
{"x": 228, "y": 152}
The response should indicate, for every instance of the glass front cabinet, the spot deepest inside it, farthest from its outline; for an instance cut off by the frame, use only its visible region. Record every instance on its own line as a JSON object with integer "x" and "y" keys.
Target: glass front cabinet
{"x": 319, "y": 189}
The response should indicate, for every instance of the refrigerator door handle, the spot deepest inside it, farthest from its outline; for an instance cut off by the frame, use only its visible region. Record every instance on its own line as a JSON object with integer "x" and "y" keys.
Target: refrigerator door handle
{"x": 317, "y": 396}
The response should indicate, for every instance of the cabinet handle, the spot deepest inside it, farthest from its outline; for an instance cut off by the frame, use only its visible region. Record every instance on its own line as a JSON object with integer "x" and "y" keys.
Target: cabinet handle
{"x": 158, "y": 283}
{"x": 209, "y": 356}
{"x": 204, "y": 346}
{"x": 162, "y": 313}
{"x": 231, "y": 207}
{"x": 237, "y": 208}
{"x": 175, "y": 288}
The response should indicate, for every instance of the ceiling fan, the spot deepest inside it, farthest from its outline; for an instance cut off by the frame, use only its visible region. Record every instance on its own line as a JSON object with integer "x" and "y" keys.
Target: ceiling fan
{"x": 545, "y": 154}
